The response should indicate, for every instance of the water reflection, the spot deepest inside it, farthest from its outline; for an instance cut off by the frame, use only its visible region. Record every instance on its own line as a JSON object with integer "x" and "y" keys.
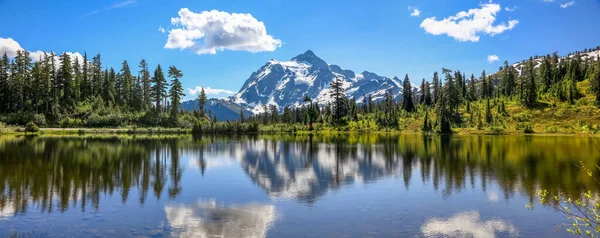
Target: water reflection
{"x": 58, "y": 173}
{"x": 207, "y": 219}
{"x": 467, "y": 224}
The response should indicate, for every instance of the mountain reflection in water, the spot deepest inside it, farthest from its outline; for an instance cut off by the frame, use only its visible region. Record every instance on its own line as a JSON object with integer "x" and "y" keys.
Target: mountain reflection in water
{"x": 58, "y": 174}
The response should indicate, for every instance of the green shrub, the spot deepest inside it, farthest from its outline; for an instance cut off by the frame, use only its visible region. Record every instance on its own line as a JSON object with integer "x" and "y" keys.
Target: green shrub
{"x": 31, "y": 127}
{"x": 69, "y": 122}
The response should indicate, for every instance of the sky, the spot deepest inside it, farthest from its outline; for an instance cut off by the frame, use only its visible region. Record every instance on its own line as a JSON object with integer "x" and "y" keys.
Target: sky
{"x": 217, "y": 43}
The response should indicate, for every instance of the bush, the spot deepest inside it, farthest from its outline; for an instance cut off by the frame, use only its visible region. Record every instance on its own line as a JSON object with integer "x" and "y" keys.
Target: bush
{"x": 24, "y": 118}
{"x": 31, "y": 127}
{"x": 68, "y": 122}
{"x": 111, "y": 120}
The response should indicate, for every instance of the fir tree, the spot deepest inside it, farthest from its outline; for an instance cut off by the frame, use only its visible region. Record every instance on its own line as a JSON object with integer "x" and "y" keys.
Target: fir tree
{"x": 176, "y": 92}
{"x": 407, "y": 102}
{"x": 201, "y": 102}
{"x": 336, "y": 91}
{"x": 159, "y": 88}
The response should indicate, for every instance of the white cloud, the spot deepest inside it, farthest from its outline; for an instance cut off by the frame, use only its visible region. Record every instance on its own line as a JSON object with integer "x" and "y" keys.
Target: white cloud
{"x": 11, "y": 47}
{"x": 467, "y": 224}
{"x": 466, "y": 26}
{"x": 118, "y": 5}
{"x": 162, "y": 30}
{"x": 548, "y": 0}
{"x": 210, "y": 91}
{"x": 492, "y": 58}
{"x": 415, "y": 13}
{"x": 211, "y": 31}
{"x": 568, "y": 4}
{"x": 510, "y": 9}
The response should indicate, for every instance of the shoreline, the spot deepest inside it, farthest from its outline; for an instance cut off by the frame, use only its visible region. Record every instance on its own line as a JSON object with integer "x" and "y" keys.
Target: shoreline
{"x": 188, "y": 131}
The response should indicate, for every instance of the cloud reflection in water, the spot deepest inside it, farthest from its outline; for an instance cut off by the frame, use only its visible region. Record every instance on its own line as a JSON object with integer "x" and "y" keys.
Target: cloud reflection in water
{"x": 467, "y": 224}
{"x": 207, "y": 219}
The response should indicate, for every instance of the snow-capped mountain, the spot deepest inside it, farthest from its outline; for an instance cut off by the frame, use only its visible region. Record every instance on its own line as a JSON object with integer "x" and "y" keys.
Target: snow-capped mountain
{"x": 286, "y": 83}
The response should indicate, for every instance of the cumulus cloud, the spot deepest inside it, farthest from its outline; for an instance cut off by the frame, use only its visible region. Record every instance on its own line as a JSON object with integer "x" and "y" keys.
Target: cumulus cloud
{"x": 415, "y": 13}
{"x": 568, "y": 4}
{"x": 467, "y": 26}
{"x": 11, "y": 47}
{"x": 492, "y": 58}
{"x": 210, "y": 91}
{"x": 118, "y": 5}
{"x": 211, "y": 31}
{"x": 467, "y": 224}
{"x": 510, "y": 9}
{"x": 162, "y": 30}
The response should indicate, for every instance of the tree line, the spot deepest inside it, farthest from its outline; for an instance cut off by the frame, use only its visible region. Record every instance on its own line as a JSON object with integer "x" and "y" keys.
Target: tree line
{"x": 62, "y": 90}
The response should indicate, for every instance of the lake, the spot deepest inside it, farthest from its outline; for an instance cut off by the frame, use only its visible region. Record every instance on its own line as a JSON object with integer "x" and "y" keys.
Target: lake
{"x": 288, "y": 186}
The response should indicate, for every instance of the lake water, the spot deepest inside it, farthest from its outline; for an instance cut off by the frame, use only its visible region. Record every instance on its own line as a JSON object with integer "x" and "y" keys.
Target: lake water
{"x": 288, "y": 186}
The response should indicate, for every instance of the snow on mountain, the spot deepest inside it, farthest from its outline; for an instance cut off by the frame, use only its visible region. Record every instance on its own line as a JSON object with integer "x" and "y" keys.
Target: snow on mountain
{"x": 286, "y": 83}
{"x": 592, "y": 55}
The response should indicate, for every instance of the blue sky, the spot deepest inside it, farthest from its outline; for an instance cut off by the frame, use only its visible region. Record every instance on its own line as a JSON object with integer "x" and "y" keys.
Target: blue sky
{"x": 377, "y": 36}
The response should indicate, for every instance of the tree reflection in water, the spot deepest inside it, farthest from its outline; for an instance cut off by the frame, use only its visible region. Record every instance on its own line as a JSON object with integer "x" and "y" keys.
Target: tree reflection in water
{"x": 66, "y": 172}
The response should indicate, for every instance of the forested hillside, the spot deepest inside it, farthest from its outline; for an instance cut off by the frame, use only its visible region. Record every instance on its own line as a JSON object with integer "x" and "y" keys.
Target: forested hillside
{"x": 544, "y": 94}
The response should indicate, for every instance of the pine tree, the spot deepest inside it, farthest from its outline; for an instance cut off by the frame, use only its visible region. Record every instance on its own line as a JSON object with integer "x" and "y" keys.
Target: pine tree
{"x": 426, "y": 125}
{"x": 407, "y": 102}
{"x": 4, "y": 83}
{"x": 201, "y": 102}
{"x": 77, "y": 78}
{"x": 336, "y": 91}
{"x": 472, "y": 89}
{"x": 436, "y": 87}
{"x": 508, "y": 80}
{"x": 109, "y": 91}
{"x": 428, "y": 100}
{"x": 422, "y": 96}
{"x": 96, "y": 76}
{"x": 65, "y": 76}
{"x": 159, "y": 89}
{"x": 488, "y": 113}
{"x": 484, "y": 86}
{"x": 145, "y": 77}
{"x": 85, "y": 86}
{"x": 124, "y": 90}
{"x": 176, "y": 92}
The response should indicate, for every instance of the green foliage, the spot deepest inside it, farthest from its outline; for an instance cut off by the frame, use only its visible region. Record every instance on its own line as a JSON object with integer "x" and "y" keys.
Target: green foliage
{"x": 582, "y": 212}
{"x": 225, "y": 127}
{"x": 31, "y": 127}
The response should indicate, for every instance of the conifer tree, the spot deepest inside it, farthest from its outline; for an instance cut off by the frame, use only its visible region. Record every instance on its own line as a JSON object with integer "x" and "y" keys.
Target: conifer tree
{"x": 159, "y": 88}
{"x": 436, "y": 87}
{"x": 65, "y": 76}
{"x": 176, "y": 92}
{"x": 407, "y": 98}
{"x": 472, "y": 89}
{"x": 336, "y": 91}
{"x": 201, "y": 102}
{"x": 145, "y": 78}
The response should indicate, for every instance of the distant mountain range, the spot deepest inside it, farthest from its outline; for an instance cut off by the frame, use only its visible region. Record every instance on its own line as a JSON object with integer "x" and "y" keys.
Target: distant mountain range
{"x": 286, "y": 83}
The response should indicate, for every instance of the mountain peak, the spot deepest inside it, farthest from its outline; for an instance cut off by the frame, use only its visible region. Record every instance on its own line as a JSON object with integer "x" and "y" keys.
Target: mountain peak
{"x": 311, "y": 58}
